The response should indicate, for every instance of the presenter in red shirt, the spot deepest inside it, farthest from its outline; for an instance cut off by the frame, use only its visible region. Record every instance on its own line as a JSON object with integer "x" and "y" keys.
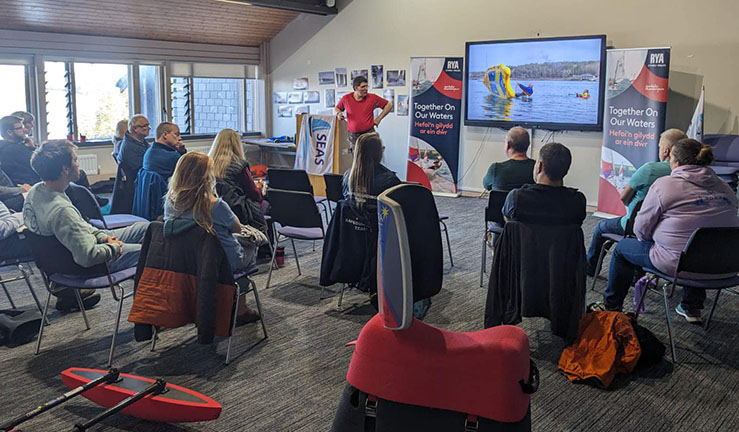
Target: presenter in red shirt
{"x": 360, "y": 106}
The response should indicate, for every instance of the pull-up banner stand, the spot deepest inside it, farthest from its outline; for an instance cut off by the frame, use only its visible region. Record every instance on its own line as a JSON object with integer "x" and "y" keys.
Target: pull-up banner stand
{"x": 636, "y": 101}
{"x": 435, "y": 110}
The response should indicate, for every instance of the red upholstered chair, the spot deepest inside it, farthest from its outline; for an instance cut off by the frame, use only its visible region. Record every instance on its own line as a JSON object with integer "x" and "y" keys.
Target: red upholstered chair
{"x": 408, "y": 375}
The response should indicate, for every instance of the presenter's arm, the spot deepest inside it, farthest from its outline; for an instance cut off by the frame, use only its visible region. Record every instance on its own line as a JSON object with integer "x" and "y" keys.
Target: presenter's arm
{"x": 384, "y": 112}
{"x": 339, "y": 113}
{"x": 627, "y": 195}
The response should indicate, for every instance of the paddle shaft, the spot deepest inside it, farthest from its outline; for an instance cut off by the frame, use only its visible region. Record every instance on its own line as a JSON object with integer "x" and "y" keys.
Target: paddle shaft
{"x": 154, "y": 389}
{"x": 108, "y": 378}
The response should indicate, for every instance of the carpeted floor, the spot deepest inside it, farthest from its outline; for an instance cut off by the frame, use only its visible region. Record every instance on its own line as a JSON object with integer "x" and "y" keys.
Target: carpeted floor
{"x": 292, "y": 380}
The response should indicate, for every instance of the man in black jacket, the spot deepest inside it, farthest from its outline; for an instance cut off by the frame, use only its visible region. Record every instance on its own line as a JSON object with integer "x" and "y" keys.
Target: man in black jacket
{"x": 130, "y": 159}
{"x": 14, "y": 154}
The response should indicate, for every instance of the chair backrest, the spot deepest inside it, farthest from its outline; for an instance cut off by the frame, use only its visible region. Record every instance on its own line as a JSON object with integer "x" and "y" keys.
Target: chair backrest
{"x": 84, "y": 201}
{"x": 632, "y": 218}
{"x": 725, "y": 148}
{"x": 334, "y": 188}
{"x": 409, "y": 252}
{"x": 711, "y": 251}
{"x": 52, "y": 257}
{"x": 293, "y": 208}
{"x": 289, "y": 179}
{"x": 494, "y": 209}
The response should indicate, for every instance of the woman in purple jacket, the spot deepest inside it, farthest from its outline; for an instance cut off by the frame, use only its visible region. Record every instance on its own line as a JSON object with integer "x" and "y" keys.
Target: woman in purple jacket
{"x": 691, "y": 197}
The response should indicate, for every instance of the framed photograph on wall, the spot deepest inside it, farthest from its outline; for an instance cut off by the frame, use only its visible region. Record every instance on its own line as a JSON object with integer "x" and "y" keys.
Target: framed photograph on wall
{"x": 402, "y": 105}
{"x": 389, "y": 94}
{"x": 377, "y": 76}
{"x": 396, "y": 78}
{"x": 312, "y": 96}
{"x": 360, "y": 72}
{"x": 285, "y": 111}
{"x": 340, "y": 77}
{"x": 295, "y": 97}
{"x": 300, "y": 83}
{"x": 302, "y": 109}
{"x": 280, "y": 97}
{"x": 326, "y": 78}
{"x": 329, "y": 95}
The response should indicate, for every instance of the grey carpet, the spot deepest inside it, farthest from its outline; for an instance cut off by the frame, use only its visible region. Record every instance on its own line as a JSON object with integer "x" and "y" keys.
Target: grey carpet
{"x": 292, "y": 380}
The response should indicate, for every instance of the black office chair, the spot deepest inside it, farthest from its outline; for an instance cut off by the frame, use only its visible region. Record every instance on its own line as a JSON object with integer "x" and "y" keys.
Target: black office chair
{"x": 88, "y": 206}
{"x": 57, "y": 265}
{"x": 710, "y": 251}
{"x": 612, "y": 239}
{"x": 298, "y": 216}
{"x": 294, "y": 180}
{"x": 493, "y": 223}
{"x": 334, "y": 188}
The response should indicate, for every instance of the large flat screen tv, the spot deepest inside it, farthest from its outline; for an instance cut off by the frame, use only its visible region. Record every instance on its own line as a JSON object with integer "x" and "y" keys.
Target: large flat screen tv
{"x": 548, "y": 83}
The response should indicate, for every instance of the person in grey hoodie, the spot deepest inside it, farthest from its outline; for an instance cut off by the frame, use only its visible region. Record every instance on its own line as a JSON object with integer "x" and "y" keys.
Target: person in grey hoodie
{"x": 691, "y": 197}
{"x": 48, "y": 211}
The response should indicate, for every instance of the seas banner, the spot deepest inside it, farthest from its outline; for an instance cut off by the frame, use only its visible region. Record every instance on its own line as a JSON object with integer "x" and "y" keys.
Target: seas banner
{"x": 636, "y": 101}
{"x": 315, "y": 150}
{"x": 435, "y": 113}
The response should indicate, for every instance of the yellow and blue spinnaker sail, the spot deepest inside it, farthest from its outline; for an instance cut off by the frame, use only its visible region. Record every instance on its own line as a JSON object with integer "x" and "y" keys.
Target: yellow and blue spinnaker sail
{"x": 498, "y": 80}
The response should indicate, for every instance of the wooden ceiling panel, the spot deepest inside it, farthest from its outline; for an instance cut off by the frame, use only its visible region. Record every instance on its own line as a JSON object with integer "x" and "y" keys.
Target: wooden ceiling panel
{"x": 198, "y": 21}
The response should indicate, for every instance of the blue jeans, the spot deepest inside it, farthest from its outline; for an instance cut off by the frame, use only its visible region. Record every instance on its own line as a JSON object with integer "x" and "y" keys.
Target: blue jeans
{"x": 629, "y": 256}
{"x": 608, "y": 226}
{"x": 132, "y": 236}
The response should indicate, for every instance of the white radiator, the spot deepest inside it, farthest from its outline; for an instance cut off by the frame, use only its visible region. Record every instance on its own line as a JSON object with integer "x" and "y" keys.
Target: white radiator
{"x": 88, "y": 163}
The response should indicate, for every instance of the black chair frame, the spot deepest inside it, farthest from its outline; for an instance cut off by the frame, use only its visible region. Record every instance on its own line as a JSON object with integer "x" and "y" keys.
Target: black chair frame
{"x": 612, "y": 239}
{"x": 493, "y": 213}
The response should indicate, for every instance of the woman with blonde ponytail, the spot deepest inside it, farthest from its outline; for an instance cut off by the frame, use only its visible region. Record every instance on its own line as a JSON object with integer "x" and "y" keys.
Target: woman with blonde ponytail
{"x": 691, "y": 197}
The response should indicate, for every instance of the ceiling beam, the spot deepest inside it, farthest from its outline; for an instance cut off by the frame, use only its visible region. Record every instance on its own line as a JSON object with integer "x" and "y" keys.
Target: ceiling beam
{"x": 315, "y": 7}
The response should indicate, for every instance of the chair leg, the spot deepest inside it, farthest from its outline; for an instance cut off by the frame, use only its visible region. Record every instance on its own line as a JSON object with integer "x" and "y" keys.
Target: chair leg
{"x": 117, "y": 325}
{"x": 7, "y": 294}
{"x": 233, "y": 322}
{"x": 448, "y": 245}
{"x": 669, "y": 324}
{"x": 41, "y": 327}
{"x": 30, "y": 288}
{"x": 599, "y": 264}
{"x": 314, "y": 245}
{"x": 271, "y": 263}
{"x": 295, "y": 252}
{"x": 341, "y": 296}
{"x": 643, "y": 296}
{"x": 259, "y": 306}
{"x": 81, "y": 306}
{"x": 484, "y": 256}
{"x": 713, "y": 308}
{"x": 154, "y": 339}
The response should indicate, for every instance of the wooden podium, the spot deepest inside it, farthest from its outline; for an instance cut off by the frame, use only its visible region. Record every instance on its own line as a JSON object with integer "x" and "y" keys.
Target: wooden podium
{"x": 342, "y": 159}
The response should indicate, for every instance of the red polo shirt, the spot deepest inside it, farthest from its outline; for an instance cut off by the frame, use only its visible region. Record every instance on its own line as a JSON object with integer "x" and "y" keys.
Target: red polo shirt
{"x": 359, "y": 114}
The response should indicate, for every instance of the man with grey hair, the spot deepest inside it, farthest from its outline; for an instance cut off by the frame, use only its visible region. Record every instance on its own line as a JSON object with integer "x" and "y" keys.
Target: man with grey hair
{"x": 130, "y": 158}
{"x": 28, "y": 123}
{"x": 634, "y": 192}
{"x": 518, "y": 169}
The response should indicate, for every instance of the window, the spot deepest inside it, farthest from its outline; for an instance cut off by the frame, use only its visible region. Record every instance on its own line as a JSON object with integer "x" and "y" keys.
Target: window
{"x": 181, "y": 104}
{"x": 149, "y": 91}
{"x": 219, "y": 104}
{"x": 13, "y": 89}
{"x": 58, "y": 98}
{"x": 101, "y": 93}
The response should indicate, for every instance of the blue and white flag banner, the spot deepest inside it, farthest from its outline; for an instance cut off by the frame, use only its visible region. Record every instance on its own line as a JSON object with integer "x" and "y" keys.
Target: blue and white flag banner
{"x": 695, "y": 130}
{"x": 315, "y": 150}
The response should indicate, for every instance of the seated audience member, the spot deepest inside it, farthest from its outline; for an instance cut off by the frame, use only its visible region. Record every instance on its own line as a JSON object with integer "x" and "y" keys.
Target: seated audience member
{"x": 120, "y": 132}
{"x": 548, "y": 202}
{"x": 634, "y": 192}
{"x": 191, "y": 196}
{"x": 517, "y": 170}
{"x": 14, "y": 154}
{"x": 49, "y": 212}
{"x": 130, "y": 158}
{"x": 10, "y": 194}
{"x": 28, "y": 123}
{"x": 367, "y": 177}
{"x": 11, "y": 246}
{"x": 691, "y": 197}
{"x": 233, "y": 174}
{"x": 157, "y": 167}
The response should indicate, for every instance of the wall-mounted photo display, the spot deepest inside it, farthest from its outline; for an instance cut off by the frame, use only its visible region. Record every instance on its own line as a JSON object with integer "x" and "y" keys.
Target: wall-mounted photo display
{"x": 280, "y": 97}
{"x": 295, "y": 97}
{"x": 329, "y": 95}
{"x": 377, "y": 76}
{"x": 402, "y": 105}
{"x": 360, "y": 72}
{"x": 285, "y": 111}
{"x": 312, "y": 97}
{"x": 300, "y": 83}
{"x": 302, "y": 109}
{"x": 389, "y": 94}
{"x": 326, "y": 78}
{"x": 340, "y": 77}
{"x": 396, "y": 78}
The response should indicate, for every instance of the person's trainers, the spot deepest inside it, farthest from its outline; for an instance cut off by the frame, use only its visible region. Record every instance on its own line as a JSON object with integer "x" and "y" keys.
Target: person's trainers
{"x": 691, "y": 317}
{"x": 247, "y": 316}
{"x": 68, "y": 303}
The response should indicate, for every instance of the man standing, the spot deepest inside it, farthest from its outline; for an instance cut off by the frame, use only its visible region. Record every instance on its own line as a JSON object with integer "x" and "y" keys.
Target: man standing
{"x": 634, "y": 192}
{"x": 48, "y": 211}
{"x": 14, "y": 154}
{"x": 130, "y": 158}
{"x": 360, "y": 106}
{"x": 518, "y": 169}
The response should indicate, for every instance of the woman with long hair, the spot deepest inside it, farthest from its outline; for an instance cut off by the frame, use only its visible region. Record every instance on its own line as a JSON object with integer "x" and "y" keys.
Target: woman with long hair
{"x": 691, "y": 197}
{"x": 367, "y": 177}
{"x": 191, "y": 195}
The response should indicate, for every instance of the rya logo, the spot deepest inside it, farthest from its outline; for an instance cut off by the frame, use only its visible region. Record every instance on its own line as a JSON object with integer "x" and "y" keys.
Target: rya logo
{"x": 452, "y": 65}
{"x": 657, "y": 58}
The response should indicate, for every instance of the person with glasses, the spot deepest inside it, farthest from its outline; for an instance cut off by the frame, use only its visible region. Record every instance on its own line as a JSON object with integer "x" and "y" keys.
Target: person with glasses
{"x": 14, "y": 154}
{"x": 28, "y": 124}
{"x": 130, "y": 159}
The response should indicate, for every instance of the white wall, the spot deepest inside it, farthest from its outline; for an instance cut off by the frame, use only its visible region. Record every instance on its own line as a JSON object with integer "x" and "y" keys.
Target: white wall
{"x": 703, "y": 36}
